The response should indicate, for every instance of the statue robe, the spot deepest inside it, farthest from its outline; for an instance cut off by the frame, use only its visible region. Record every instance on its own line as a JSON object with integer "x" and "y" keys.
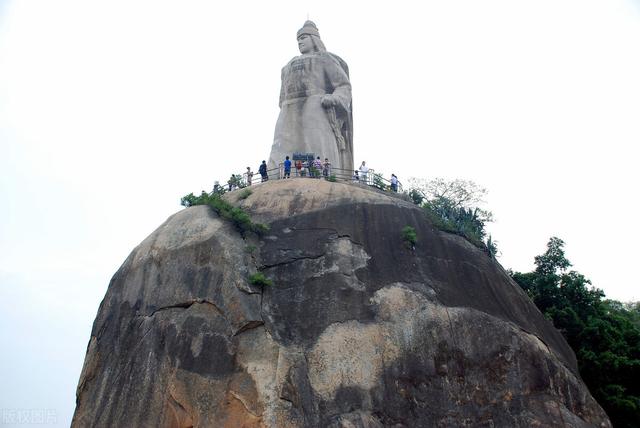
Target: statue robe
{"x": 303, "y": 124}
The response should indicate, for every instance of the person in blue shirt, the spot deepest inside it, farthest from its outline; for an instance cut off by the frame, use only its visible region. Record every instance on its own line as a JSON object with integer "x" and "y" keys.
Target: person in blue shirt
{"x": 263, "y": 171}
{"x": 287, "y": 168}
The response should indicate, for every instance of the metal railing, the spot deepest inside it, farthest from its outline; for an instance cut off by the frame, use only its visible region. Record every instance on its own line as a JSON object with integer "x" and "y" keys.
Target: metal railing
{"x": 355, "y": 177}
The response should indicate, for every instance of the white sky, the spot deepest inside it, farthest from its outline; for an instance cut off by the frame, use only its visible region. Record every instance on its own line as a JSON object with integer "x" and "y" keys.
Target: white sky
{"x": 110, "y": 111}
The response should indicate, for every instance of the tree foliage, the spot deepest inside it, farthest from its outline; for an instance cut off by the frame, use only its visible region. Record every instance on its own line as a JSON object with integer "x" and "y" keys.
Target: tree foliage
{"x": 416, "y": 196}
{"x": 217, "y": 190}
{"x": 492, "y": 246}
{"x": 239, "y": 217}
{"x": 378, "y": 182}
{"x": 459, "y": 193}
{"x": 409, "y": 236}
{"x": 604, "y": 334}
{"x": 259, "y": 279}
{"x": 452, "y": 205}
{"x": 236, "y": 182}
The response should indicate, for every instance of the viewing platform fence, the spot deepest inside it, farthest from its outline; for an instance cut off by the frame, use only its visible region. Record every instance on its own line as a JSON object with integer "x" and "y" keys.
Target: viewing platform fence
{"x": 371, "y": 178}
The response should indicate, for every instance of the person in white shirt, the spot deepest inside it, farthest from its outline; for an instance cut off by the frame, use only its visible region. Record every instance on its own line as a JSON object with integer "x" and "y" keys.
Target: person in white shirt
{"x": 364, "y": 169}
{"x": 394, "y": 183}
{"x": 249, "y": 175}
{"x": 326, "y": 168}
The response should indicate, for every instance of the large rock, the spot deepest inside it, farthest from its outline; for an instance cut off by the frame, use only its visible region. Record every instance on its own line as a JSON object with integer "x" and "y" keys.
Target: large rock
{"x": 357, "y": 330}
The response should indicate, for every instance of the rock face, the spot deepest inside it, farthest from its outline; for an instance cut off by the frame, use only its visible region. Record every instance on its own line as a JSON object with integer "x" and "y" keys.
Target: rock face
{"x": 357, "y": 330}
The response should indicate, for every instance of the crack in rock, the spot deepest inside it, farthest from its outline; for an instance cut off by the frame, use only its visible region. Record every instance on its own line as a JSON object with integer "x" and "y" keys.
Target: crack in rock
{"x": 335, "y": 232}
{"x": 249, "y": 326}
{"x": 291, "y": 260}
{"x": 187, "y": 305}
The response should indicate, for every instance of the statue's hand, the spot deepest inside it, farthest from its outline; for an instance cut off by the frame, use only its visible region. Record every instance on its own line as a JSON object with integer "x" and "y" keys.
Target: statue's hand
{"x": 328, "y": 101}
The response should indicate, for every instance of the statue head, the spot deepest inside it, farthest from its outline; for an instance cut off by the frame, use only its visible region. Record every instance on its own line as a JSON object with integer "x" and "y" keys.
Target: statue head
{"x": 309, "y": 39}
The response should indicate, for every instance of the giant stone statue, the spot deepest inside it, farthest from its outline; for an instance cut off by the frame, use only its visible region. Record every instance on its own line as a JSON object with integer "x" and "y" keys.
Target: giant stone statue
{"x": 315, "y": 105}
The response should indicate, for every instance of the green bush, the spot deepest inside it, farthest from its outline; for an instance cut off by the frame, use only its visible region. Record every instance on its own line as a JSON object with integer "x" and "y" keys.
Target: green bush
{"x": 259, "y": 279}
{"x": 236, "y": 215}
{"x": 416, "y": 197}
{"x": 492, "y": 247}
{"x": 378, "y": 182}
{"x": 236, "y": 181}
{"x": 245, "y": 193}
{"x": 259, "y": 228}
{"x": 466, "y": 222}
{"x": 451, "y": 205}
{"x": 218, "y": 189}
{"x": 332, "y": 178}
{"x": 409, "y": 236}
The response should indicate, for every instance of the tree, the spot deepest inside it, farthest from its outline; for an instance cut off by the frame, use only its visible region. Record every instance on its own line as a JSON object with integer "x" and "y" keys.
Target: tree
{"x": 604, "y": 334}
{"x": 458, "y": 193}
{"x": 416, "y": 196}
{"x": 452, "y": 205}
{"x": 553, "y": 260}
{"x": 378, "y": 182}
{"x": 492, "y": 246}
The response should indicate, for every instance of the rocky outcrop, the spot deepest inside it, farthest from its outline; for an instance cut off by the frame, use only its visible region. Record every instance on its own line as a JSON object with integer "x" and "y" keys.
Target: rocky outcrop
{"x": 357, "y": 330}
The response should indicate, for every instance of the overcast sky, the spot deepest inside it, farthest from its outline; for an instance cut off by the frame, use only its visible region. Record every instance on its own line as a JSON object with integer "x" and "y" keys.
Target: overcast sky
{"x": 110, "y": 111}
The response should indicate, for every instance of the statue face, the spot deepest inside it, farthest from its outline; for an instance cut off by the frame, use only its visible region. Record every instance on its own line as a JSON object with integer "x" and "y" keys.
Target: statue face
{"x": 305, "y": 44}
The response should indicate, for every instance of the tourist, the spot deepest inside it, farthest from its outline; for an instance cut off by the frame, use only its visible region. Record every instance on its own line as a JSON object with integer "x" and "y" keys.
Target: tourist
{"x": 263, "y": 171}
{"x": 217, "y": 188}
{"x": 364, "y": 169}
{"x": 249, "y": 176}
{"x": 298, "y": 167}
{"x": 232, "y": 182}
{"x": 287, "y": 168}
{"x": 355, "y": 175}
{"x": 326, "y": 168}
{"x": 317, "y": 167}
{"x": 394, "y": 183}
